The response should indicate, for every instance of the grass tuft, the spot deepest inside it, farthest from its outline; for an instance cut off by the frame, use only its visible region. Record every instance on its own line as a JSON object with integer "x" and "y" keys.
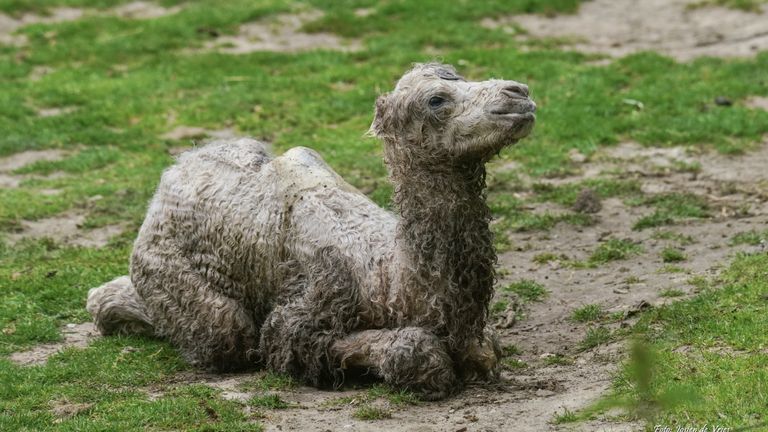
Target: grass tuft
{"x": 752, "y": 238}
{"x": 370, "y": 413}
{"x": 527, "y": 290}
{"x": 567, "y": 416}
{"x": 595, "y": 336}
{"x": 672, "y": 255}
{"x": 671, "y": 208}
{"x": 614, "y": 250}
{"x": 588, "y": 313}
{"x": 269, "y": 401}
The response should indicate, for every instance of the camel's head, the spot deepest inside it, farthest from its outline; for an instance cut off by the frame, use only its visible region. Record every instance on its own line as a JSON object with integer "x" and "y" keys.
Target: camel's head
{"x": 435, "y": 115}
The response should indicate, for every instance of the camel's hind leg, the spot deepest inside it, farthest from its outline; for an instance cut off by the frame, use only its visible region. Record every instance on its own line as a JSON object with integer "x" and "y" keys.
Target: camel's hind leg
{"x": 408, "y": 357}
{"x": 211, "y": 330}
{"x": 116, "y": 308}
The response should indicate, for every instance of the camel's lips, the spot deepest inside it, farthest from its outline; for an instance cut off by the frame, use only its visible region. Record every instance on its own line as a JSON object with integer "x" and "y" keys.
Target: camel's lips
{"x": 522, "y": 109}
{"x": 515, "y": 117}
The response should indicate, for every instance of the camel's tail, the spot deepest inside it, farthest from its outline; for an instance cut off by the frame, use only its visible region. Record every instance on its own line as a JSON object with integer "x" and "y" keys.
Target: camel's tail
{"x": 116, "y": 308}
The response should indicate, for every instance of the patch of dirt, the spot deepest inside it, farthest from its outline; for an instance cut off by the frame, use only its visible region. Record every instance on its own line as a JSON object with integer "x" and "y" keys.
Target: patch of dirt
{"x": 55, "y": 111}
{"x": 187, "y": 132}
{"x": 19, "y": 160}
{"x": 63, "y": 409}
{"x": 75, "y": 335}
{"x": 133, "y": 10}
{"x": 671, "y": 27}
{"x": 66, "y": 228}
{"x": 9, "y": 24}
{"x": 144, "y": 10}
{"x": 735, "y": 181}
{"x": 38, "y": 72}
{"x": 281, "y": 33}
{"x": 757, "y": 102}
{"x": 194, "y": 134}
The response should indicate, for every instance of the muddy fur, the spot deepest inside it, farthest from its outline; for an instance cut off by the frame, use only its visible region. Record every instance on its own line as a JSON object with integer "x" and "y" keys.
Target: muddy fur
{"x": 320, "y": 306}
{"x": 246, "y": 260}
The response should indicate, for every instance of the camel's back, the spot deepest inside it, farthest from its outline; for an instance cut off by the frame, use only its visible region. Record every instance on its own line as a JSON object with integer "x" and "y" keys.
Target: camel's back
{"x": 230, "y": 210}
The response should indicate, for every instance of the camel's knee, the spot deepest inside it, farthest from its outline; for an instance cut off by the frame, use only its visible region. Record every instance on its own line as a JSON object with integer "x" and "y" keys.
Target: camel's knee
{"x": 417, "y": 360}
{"x": 480, "y": 361}
{"x": 410, "y": 358}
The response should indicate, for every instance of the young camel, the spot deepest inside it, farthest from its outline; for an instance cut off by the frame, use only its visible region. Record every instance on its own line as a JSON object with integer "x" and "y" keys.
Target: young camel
{"x": 247, "y": 260}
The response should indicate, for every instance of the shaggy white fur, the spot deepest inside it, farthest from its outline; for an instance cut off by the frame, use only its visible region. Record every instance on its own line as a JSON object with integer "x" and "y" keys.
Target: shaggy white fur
{"x": 244, "y": 259}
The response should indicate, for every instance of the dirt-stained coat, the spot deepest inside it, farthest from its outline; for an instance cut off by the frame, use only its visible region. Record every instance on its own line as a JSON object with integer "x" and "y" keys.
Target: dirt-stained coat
{"x": 244, "y": 258}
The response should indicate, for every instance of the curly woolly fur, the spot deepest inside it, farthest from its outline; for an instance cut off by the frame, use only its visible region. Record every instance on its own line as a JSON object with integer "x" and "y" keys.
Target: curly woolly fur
{"x": 246, "y": 260}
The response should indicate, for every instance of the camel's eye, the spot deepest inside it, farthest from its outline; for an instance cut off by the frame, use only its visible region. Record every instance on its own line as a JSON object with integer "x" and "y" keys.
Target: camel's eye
{"x": 436, "y": 101}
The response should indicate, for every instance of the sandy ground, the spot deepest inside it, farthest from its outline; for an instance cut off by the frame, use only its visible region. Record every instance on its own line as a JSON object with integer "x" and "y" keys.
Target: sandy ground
{"x": 672, "y": 27}
{"x": 282, "y": 33}
{"x": 132, "y": 10}
{"x": 65, "y": 228}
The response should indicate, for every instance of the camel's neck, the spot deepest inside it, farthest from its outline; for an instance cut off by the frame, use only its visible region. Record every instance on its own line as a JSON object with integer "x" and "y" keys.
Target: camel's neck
{"x": 444, "y": 250}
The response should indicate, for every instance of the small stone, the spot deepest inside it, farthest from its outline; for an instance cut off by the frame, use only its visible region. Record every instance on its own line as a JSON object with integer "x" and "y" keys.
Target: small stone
{"x": 723, "y": 101}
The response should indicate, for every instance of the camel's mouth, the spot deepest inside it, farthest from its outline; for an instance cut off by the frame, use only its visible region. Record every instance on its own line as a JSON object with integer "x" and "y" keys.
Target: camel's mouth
{"x": 514, "y": 115}
{"x": 522, "y": 109}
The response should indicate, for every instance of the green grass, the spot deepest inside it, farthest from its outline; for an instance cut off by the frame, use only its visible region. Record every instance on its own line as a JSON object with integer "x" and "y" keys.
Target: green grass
{"x": 752, "y": 238}
{"x": 513, "y": 363}
{"x": 395, "y": 397}
{"x": 132, "y": 81}
{"x": 367, "y": 412}
{"x": 672, "y": 292}
{"x": 270, "y": 381}
{"x": 672, "y": 208}
{"x": 595, "y": 337}
{"x": 614, "y": 250}
{"x": 544, "y": 258}
{"x": 603, "y": 188}
{"x": 269, "y": 401}
{"x": 510, "y": 350}
{"x": 747, "y": 5}
{"x": 722, "y": 331}
{"x": 567, "y": 416}
{"x": 499, "y": 307}
{"x": 588, "y": 313}
{"x": 527, "y": 290}
{"x": 672, "y": 255}
{"x": 681, "y": 239}
{"x": 558, "y": 360}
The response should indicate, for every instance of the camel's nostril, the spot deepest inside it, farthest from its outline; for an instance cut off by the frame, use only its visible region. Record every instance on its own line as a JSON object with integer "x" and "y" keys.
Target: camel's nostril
{"x": 516, "y": 90}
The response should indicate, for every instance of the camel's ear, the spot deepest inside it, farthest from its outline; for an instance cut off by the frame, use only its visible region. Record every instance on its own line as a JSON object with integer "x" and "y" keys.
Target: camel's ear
{"x": 382, "y": 119}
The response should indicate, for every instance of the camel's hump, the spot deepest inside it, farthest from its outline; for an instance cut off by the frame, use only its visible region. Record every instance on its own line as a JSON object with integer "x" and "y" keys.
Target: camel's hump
{"x": 301, "y": 168}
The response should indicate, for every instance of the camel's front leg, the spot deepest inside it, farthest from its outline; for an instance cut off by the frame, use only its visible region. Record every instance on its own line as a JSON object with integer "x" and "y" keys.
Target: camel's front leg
{"x": 408, "y": 357}
{"x": 481, "y": 361}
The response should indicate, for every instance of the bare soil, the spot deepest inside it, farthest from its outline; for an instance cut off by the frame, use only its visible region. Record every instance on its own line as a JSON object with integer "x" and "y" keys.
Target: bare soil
{"x": 11, "y": 163}
{"x": 281, "y": 33}
{"x": 74, "y": 335}
{"x": 133, "y": 10}
{"x": 67, "y": 228}
{"x": 672, "y": 27}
